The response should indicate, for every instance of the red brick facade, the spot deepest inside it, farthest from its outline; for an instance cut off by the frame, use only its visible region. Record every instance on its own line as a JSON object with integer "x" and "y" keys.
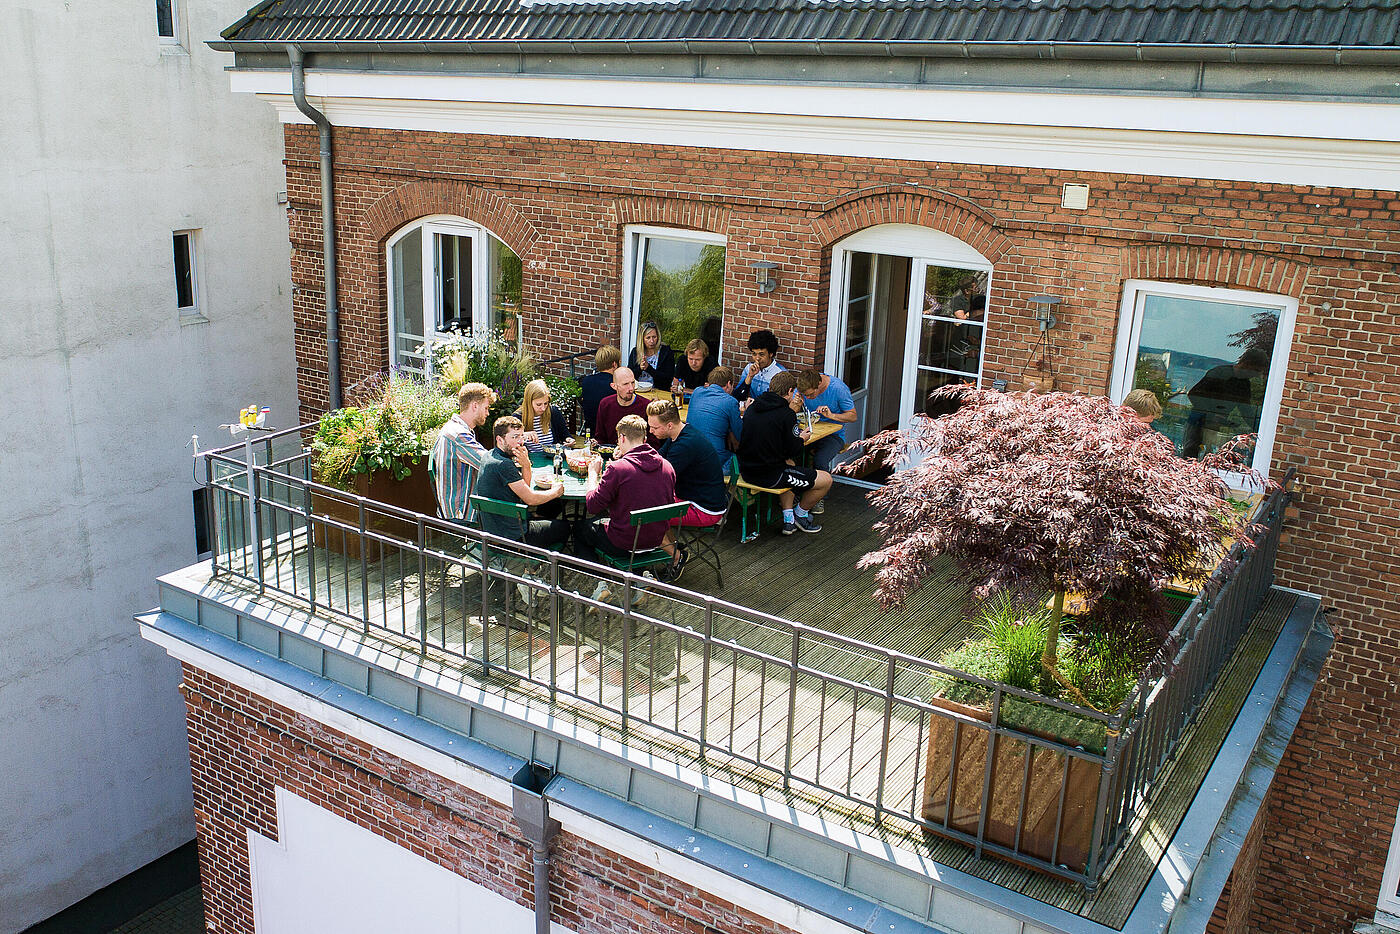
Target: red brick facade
{"x": 562, "y": 207}
{"x": 242, "y": 747}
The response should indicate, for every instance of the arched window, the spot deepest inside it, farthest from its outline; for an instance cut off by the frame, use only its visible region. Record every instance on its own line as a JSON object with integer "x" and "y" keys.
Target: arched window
{"x": 447, "y": 275}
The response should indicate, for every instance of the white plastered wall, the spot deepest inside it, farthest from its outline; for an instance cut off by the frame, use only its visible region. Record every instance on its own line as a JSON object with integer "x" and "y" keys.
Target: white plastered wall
{"x": 109, "y": 144}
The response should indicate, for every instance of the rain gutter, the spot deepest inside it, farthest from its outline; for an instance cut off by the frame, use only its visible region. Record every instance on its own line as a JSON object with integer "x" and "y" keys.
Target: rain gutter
{"x": 295, "y": 54}
{"x": 914, "y": 48}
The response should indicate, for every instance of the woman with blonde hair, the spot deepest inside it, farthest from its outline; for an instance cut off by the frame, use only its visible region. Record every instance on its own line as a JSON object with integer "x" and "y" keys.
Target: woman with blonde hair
{"x": 544, "y": 423}
{"x": 651, "y": 359}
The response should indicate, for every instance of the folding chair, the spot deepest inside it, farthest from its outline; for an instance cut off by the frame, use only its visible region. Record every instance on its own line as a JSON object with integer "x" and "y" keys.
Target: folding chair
{"x": 703, "y": 542}
{"x": 484, "y": 505}
{"x": 652, "y": 556}
{"x": 749, "y": 493}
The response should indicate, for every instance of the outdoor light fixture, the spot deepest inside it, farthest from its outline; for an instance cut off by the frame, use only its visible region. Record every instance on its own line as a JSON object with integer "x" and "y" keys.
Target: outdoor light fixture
{"x": 764, "y": 276}
{"x": 1045, "y": 310}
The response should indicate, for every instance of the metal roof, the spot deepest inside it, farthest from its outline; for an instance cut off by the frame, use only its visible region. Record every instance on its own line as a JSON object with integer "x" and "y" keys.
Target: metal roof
{"x": 1044, "y": 28}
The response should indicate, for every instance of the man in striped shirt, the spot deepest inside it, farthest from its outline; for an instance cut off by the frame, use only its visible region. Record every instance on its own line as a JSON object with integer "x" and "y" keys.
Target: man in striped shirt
{"x": 457, "y": 455}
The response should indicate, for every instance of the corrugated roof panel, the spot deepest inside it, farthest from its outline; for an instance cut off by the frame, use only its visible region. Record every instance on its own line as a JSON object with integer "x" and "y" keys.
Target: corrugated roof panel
{"x": 1317, "y": 23}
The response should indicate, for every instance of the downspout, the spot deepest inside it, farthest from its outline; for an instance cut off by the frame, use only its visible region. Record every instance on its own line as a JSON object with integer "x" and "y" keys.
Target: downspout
{"x": 530, "y": 809}
{"x": 327, "y": 224}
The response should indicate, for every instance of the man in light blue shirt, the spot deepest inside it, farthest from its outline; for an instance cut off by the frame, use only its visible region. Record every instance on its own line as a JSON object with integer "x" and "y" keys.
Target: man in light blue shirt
{"x": 714, "y": 413}
{"x": 763, "y": 347}
{"x": 830, "y": 400}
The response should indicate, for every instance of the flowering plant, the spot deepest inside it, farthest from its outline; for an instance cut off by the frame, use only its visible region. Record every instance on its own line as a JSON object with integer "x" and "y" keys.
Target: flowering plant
{"x": 391, "y": 425}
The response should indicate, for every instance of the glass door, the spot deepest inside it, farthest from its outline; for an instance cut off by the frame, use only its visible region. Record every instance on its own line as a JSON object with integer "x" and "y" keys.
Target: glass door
{"x": 947, "y": 324}
{"x": 857, "y": 327}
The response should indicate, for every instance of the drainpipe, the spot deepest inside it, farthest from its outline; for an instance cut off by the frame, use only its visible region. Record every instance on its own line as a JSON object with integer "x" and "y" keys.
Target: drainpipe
{"x": 530, "y": 809}
{"x": 327, "y": 224}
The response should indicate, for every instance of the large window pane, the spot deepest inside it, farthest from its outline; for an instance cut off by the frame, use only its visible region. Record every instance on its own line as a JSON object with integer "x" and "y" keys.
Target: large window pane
{"x": 504, "y": 277}
{"x": 1208, "y": 364}
{"x": 953, "y": 320}
{"x": 453, "y": 256}
{"x": 406, "y": 258}
{"x": 682, "y": 290}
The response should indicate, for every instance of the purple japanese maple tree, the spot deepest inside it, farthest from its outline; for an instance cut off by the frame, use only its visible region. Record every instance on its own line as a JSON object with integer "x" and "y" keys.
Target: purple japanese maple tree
{"x": 1053, "y": 493}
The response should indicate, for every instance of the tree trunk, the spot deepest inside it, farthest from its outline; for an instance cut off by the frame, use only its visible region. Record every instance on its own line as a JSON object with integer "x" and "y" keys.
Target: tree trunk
{"x": 1050, "y": 658}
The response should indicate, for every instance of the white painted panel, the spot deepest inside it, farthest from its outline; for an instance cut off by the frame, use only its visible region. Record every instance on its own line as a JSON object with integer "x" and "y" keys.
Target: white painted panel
{"x": 913, "y": 240}
{"x": 329, "y": 874}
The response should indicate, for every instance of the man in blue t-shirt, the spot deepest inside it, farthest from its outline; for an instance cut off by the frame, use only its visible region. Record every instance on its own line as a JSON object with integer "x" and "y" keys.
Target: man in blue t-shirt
{"x": 714, "y": 413}
{"x": 830, "y": 400}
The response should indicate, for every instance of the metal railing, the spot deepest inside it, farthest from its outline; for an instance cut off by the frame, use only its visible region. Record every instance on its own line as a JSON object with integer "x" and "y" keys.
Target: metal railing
{"x": 894, "y": 736}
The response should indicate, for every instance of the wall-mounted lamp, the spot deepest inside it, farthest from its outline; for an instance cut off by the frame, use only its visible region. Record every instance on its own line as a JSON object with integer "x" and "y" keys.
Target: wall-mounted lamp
{"x": 765, "y": 276}
{"x": 1044, "y": 307}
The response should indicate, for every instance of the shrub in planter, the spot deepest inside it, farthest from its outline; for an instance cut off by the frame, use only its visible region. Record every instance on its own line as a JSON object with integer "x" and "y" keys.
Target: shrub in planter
{"x": 378, "y": 448}
{"x": 490, "y": 359}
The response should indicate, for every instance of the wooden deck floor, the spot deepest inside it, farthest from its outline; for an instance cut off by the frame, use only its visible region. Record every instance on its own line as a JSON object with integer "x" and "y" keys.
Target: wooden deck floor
{"x": 836, "y": 731}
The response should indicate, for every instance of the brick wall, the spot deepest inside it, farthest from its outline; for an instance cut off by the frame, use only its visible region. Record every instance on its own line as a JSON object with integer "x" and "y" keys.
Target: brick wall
{"x": 242, "y": 747}
{"x": 562, "y": 205}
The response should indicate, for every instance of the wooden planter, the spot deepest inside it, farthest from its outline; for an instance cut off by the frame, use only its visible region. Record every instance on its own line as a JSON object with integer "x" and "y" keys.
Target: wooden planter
{"x": 415, "y": 492}
{"x": 954, "y": 776}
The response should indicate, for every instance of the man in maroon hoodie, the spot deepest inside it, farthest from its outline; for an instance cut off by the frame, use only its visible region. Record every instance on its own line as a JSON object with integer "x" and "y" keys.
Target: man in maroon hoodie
{"x": 639, "y": 478}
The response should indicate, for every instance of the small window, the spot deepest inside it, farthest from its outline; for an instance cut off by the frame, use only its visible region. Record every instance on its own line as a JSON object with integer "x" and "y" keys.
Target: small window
{"x": 165, "y": 20}
{"x": 675, "y": 279}
{"x": 201, "y": 523}
{"x": 1215, "y": 359}
{"x": 186, "y": 271}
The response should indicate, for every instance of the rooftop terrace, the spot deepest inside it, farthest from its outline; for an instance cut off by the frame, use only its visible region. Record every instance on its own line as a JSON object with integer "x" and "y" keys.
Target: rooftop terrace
{"x": 790, "y": 684}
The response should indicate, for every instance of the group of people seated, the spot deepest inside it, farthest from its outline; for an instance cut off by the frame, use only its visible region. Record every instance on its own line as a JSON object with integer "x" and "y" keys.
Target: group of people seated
{"x": 659, "y": 458}
{"x": 751, "y": 414}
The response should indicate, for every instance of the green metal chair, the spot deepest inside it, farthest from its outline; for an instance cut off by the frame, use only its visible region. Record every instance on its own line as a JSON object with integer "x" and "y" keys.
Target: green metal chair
{"x": 652, "y": 556}
{"x": 703, "y": 542}
{"x": 485, "y": 505}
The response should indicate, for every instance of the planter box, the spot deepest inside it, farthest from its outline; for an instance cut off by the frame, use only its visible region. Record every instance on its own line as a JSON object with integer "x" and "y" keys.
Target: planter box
{"x": 955, "y": 770}
{"x": 414, "y": 492}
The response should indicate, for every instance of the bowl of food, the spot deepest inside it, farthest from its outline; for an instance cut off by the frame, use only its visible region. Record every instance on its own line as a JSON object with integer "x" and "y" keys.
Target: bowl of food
{"x": 577, "y": 461}
{"x": 607, "y": 450}
{"x": 644, "y": 385}
{"x": 552, "y": 449}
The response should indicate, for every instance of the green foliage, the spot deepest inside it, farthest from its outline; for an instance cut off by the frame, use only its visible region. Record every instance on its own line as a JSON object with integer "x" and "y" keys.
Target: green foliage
{"x": 392, "y": 427}
{"x": 487, "y": 358}
{"x": 1103, "y": 667}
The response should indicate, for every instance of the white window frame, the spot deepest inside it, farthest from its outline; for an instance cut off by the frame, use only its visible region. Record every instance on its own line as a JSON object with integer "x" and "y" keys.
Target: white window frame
{"x": 633, "y": 235}
{"x": 192, "y": 313}
{"x": 1389, "y": 901}
{"x": 480, "y": 287}
{"x": 1135, "y": 292}
{"x": 176, "y": 40}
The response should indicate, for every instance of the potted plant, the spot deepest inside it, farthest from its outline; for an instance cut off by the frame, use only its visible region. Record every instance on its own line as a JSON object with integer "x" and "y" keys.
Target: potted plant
{"x": 504, "y": 366}
{"x": 1049, "y": 495}
{"x": 378, "y": 448}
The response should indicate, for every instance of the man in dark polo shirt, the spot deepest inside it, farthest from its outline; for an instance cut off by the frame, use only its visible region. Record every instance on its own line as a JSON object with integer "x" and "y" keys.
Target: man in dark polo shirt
{"x": 699, "y": 476}
{"x": 505, "y": 476}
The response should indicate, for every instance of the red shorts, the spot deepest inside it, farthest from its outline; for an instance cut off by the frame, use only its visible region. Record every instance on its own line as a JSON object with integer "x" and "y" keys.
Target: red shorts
{"x": 697, "y": 518}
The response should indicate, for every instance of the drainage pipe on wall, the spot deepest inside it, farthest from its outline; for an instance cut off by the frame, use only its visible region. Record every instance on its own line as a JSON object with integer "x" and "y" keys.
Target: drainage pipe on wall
{"x": 530, "y": 808}
{"x": 327, "y": 224}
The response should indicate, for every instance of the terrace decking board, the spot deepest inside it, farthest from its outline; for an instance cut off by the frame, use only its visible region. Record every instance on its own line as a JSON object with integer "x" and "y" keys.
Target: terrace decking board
{"x": 810, "y": 579}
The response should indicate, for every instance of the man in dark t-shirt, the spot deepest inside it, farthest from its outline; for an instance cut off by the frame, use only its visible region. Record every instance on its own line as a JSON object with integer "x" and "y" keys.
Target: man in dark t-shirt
{"x": 699, "y": 476}
{"x": 770, "y": 447}
{"x": 506, "y": 476}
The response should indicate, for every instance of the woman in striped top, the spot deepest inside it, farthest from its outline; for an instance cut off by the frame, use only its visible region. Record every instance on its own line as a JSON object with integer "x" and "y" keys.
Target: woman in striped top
{"x": 544, "y": 423}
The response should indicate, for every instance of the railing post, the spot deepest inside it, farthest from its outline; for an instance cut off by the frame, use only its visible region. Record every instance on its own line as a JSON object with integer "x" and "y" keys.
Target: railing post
{"x": 792, "y": 710}
{"x": 1096, "y": 839}
{"x": 311, "y": 551}
{"x": 211, "y": 515}
{"x": 254, "y": 529}
{"x": 987, "y": 759}
{"x": 885, "y": 742}
{"x": 485, "y": 609}
{"x": 626, "y": 646}
{"x": 364, "y": 561}
{"x": 553, "y": 627}
{"x": 705, "y": 674}
{"x": 423, "y": 588}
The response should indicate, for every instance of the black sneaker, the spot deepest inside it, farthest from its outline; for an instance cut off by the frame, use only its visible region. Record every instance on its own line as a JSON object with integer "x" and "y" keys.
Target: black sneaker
{"x": 806, "y": 524}
{"x": 671, "y": 573}
{"x": 789, "y": 528}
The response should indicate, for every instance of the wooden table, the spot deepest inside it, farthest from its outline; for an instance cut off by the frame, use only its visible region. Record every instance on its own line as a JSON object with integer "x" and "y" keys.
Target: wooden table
{"x": 820, "y": 428}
